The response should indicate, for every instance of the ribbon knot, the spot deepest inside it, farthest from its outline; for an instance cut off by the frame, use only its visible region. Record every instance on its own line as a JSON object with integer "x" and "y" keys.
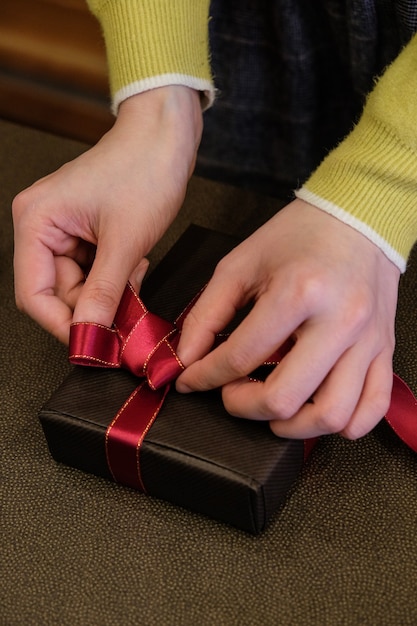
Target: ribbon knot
{"x": 139, "y": 341}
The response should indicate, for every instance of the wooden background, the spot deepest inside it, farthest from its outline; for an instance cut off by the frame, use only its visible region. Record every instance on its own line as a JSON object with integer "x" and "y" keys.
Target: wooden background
{"x": 53, "y": 72}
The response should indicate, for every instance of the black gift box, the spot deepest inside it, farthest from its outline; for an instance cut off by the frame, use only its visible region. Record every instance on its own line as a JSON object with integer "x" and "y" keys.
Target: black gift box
{"x": 195, "y": 455}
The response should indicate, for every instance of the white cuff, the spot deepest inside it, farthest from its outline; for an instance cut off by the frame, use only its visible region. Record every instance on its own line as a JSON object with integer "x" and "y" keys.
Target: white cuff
{"x": 163, "y": 80}
{"x": 332, "y": 209}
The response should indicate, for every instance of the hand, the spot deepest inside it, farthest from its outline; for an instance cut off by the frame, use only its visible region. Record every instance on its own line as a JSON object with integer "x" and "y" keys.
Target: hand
{"x": 322, "y": 282}
{"x": 101, "y": 213}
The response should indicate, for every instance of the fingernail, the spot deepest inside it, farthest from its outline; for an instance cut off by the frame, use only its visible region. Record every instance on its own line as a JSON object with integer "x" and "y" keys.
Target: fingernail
{"x": 140, "y": 273}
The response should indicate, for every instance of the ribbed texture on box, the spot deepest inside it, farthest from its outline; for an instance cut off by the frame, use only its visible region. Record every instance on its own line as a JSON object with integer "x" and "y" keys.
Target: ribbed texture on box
{"x": 194, "y": 454}
{"x": 154, "y": 43}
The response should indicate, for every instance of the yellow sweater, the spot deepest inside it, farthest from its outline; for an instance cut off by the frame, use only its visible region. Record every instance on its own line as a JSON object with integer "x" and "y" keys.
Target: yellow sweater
{"x": 153, "y": 43}
{"x": 369, "y": 181}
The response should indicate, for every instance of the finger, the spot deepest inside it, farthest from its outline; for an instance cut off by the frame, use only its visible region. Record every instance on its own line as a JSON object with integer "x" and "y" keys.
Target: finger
{"x": 54, "y": 315}
{"x": 138, "y": 274}
{"x": 350, "y": 402}
{"x": 302, "y": 370}
{"x": 272, "y": 400}
{"x": 210, "y": 314}
{"x": 374, "y": 401}
{"x": 35, "y": 274}
{"x": 305, "y": 368}
{"x": 113, "y": 264}
{"x": 82, "y": 252}
{"x": 69, "y": 280}
{"x": 248, "y": 346}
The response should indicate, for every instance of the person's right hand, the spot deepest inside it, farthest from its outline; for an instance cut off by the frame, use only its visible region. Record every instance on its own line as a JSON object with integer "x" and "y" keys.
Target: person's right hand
{"x": 321, "y": 284}
{"x": 104, "y": 211}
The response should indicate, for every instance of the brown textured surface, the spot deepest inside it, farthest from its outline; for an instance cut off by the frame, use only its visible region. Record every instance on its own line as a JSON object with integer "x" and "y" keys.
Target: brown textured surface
{"x": 78, "y": 550}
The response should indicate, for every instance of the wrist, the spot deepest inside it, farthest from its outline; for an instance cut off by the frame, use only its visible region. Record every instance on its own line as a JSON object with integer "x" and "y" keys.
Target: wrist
{"x": 174, "y": 106}
{"x": 169, "y": 118}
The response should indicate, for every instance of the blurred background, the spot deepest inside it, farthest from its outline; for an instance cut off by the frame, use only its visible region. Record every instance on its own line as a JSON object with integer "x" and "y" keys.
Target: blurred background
{"x": 53, "y": 73}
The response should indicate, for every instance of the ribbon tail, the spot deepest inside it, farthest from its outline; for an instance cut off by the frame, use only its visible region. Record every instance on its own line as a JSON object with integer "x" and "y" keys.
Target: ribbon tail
{"x": 402, "y": 413}
{"x": 127, "y": 431}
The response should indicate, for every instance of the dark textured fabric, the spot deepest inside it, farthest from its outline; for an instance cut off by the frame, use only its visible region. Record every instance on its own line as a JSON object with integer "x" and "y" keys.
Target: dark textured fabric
{"x": 292, "y": 76}
{"x": 77, "y": 550}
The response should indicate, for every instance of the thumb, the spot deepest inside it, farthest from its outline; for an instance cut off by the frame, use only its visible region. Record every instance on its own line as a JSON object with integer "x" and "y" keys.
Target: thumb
{"x": 100, "y": 296}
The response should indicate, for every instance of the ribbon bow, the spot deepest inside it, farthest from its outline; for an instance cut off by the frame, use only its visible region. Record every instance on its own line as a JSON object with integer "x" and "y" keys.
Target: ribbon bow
{"x": 145, "y": 344}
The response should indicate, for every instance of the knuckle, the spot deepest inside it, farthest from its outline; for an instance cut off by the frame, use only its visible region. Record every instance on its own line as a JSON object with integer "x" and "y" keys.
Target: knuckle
{"x": 103, "y": 295}
{"x": 381, "y": 403}
{"x": 357, "y": 313}
{"x": 224, "y": 266}
{"x": 376, "y": 409}
{"x": 307, "y": 288}
{"x": 228, "y": 272}
{"x": 280, "y": 406}
{"x": 311, "y": 287}
{"x": 353, "y": 432}
{"x": 239, "y": 363}
{"x": 332, "y": 420}
{"x": 24, "y": 301}
{"x": 20, "y": 203}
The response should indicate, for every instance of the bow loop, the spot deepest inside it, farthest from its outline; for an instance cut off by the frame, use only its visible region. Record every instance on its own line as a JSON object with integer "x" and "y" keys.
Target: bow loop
{"x": 95, "y": 345}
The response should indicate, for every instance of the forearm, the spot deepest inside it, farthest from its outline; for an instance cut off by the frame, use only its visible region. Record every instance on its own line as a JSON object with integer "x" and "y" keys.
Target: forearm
{"x": 370, "y": 180}
{"x": 154, "y": 43}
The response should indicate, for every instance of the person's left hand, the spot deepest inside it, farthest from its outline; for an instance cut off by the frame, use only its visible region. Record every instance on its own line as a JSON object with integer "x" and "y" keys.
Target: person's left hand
{"x": 322, "y": 282}
{"x": 83, "y": 231}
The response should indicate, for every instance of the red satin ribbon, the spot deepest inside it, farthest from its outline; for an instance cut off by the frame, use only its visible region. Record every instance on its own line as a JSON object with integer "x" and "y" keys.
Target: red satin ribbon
{"x": 145, "y": 344}
{"x": 402, "y": 413}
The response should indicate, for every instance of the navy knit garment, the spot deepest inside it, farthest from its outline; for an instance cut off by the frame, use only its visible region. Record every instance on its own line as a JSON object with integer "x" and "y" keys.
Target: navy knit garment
{"x": 292, "y": 77}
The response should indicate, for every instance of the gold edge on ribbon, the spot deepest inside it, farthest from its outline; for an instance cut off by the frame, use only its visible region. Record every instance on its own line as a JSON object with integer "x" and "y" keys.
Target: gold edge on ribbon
{"x": 96, "y": 324}
{"x": 152, "y": 352}
{"x": 88, "y": 357}
{"x": 174, "y": 354}
{"x": 160, "y": 342}
{"x": 113, "y": 422}
{"x": 125, "y": 340}
{"x": 189, "y": 306}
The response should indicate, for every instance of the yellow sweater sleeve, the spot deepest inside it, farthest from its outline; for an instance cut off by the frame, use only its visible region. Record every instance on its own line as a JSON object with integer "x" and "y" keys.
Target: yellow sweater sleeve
{"x": 153, "y": 43}
{"x": 370, "y": 180}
